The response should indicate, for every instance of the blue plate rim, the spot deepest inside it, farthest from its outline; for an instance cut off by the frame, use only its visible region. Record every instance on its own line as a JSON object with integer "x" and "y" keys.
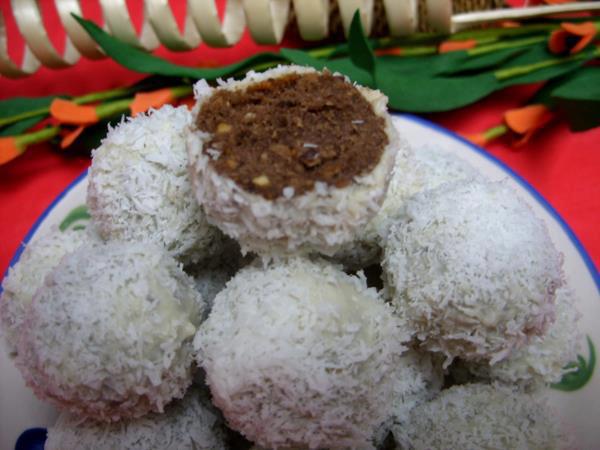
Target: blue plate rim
{"x": 421, "y": 121}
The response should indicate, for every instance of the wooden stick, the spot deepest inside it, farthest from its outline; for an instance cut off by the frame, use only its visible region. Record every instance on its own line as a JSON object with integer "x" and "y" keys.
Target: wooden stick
{"x": 469, "y": 20}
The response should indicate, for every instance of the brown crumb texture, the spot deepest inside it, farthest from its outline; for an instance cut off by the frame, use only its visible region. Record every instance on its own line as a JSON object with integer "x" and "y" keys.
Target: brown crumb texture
{"x": 292, "y": 131}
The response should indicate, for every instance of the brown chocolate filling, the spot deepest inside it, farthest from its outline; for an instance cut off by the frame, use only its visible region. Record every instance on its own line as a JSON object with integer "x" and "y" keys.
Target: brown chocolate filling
{"x": 292, "y": 131}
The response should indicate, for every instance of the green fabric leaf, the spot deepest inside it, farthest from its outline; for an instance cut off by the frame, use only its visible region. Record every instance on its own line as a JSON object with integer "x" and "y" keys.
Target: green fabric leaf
{"x": 451, "y": 63}
{"x": 343, "y": 65}
{"x": 582, "y": 115}
{"x": 138, "y": 60}
{"x": 538, "y": 54}
{"x": 302, "y": 58}
{"x": 583, "y": 85}
{"x": 416, "y": 93}
{"x": 18, "y": 105}
{"x": 361, "y": 53}
{"x": 463, "y": 62}
{"x": 347, "y": 67}
{"x": 544, "y": 94}
{"x": 577, "y": 97}
{"x": 21, "y": 126}
{"x": 427, "y": 65}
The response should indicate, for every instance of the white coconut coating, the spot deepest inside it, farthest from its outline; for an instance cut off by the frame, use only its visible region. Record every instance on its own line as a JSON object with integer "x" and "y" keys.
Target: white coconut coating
{"x": 27, "y": 276}
{"x": 109, "y": 335}
{"x": 473, "y": 270}
{"x": 188, "y": 424}
{"x": 544, "y": 358}
{"x": 478, "y": 416}
{"x": 417, "y": 170}
{"x": 319, "y": 220}
{"x": 301, "y": 355}
{"x": 418, "y": 378}
{"x": 139, "y": 187}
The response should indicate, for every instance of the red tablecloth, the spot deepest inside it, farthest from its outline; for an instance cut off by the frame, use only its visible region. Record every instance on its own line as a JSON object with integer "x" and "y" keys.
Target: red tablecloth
{"x": 564, "y": 167}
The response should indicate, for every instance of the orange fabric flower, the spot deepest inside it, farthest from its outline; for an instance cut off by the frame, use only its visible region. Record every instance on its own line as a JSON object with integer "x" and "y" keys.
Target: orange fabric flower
{"x": 453, "y": 46}
{"x": 143, "y": 101}
{"x": 70, "y": 137}
{"x": 525, "y": 121}
{"x": 391, "y": 51}
{"x": 65, "y": 111}
{"x": 571, "y": 37}
{"x": 9, "y": 149}
{"x": 479, "y": 139}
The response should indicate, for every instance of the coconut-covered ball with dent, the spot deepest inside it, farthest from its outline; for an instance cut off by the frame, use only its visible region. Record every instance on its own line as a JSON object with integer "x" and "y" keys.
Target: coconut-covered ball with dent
{"x": 544, "y": 359}
{"x": 301, "y": 355}
{"x": 188, "y": 424}
{"x": 473, "y": 270}
{"x": 291, "y": 159}
{"x": 109, "y": 335}
{"x": 27, "y": 276}
{"x": 478, "y": 416}
{"x": 416, "y": 170}
{"x": 139, "y": 187}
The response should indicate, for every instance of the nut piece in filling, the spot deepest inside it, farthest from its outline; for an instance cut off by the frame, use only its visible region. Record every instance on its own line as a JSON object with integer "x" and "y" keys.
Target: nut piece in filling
{"x": 291, "y": 158}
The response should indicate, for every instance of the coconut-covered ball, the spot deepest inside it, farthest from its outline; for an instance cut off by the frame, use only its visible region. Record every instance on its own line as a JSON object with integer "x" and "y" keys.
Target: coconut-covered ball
{"x": 416, "y": 171}
{"x": 418, "y": 378}
{"x": 473, "y": 270}
{"x": 478, "y": 416}
{"x": 109, "y": 335}
{"x": 27, "y": 276}
{"x": 301, "y": 355}
{"x": 291, "y": 159}
{"x": 139, "y": 187}
{"x": 189, "y": 424}
{"x": 544, "y": 358}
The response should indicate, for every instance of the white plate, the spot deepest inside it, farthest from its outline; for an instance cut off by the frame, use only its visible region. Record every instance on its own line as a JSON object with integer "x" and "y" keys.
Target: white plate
{"x": 579, "y": 409}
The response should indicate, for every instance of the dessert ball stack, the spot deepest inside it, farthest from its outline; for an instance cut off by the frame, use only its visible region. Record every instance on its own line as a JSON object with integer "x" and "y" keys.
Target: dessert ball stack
{"x": 152, "y": 330}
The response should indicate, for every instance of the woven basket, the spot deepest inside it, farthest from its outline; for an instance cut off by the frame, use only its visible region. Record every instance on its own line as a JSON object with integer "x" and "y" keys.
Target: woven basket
{"x": 380, "y": 25}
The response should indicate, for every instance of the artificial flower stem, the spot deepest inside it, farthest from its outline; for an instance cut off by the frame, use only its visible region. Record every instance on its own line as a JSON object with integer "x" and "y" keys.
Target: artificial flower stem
{"x": 81, "y": 100}
{"x": 102, "y": 96}
{"x": 181, "y": 91}
{"x": 484, "y": 49}
{"x": 110, "y": 109}
{"x": 36, "y": 137}
{"x": 511, "y": 72}
{"x": 495, "y": 132}
{"x": 24, "y": 115}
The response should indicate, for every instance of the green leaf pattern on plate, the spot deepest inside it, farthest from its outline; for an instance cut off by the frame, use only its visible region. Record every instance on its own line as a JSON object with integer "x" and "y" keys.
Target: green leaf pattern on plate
{"x": 76, "y": 215}
{"x": 578, "y": 378}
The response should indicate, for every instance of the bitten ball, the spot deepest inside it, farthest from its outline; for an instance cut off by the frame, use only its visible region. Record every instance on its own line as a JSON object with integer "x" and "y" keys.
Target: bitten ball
{"x": 291, "y": 159}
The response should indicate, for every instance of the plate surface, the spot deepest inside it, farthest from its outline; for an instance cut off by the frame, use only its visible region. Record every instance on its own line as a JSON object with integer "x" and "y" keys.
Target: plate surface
{"x": 578, "y": 409}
